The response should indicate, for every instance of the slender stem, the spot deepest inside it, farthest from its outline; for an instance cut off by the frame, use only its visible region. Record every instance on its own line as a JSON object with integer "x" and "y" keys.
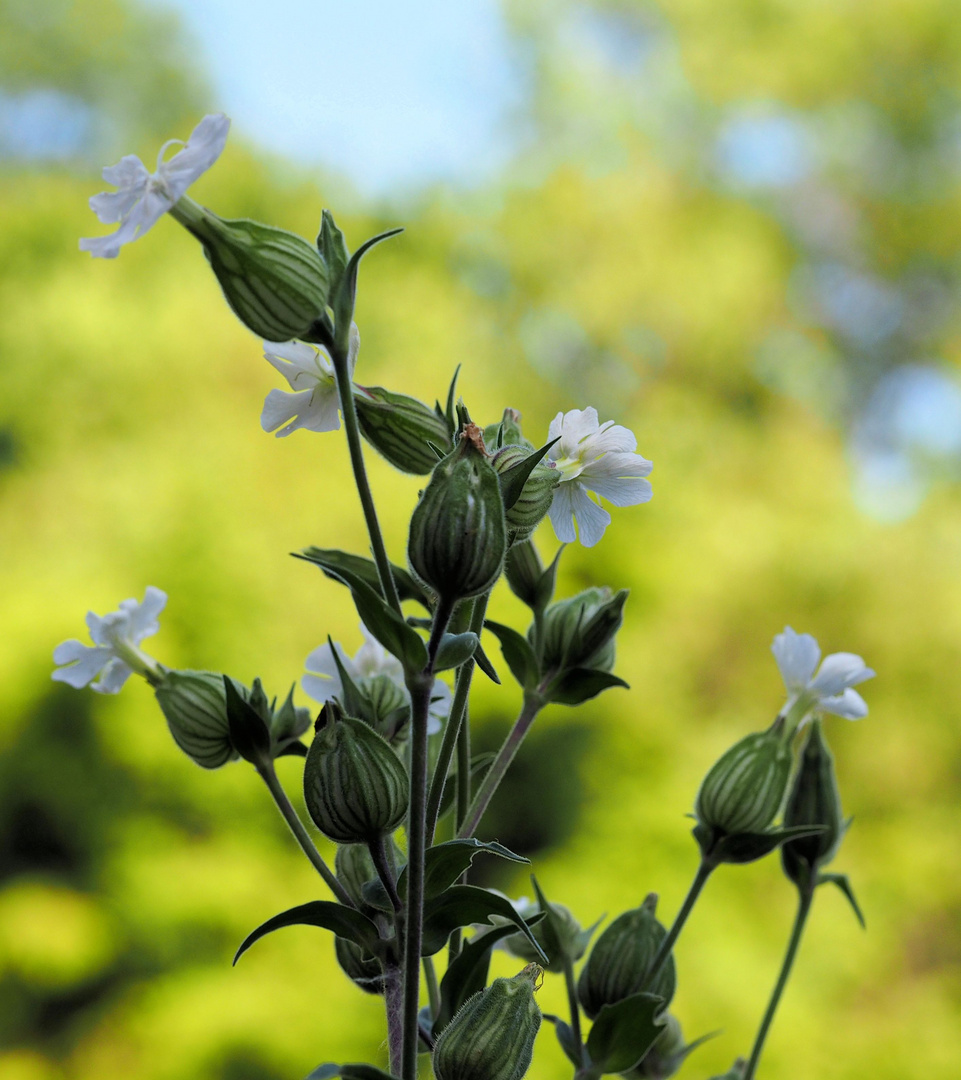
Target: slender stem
{"x": 378, "y": 854}
{"x": 704, "y": 871}
{"x": 352, "y": 428}
{"x": 393, "y": 997}
{"x": 269, "y": 776}
{"x": 532, "y": 706}
{"x": 433, "y": 989}
{"x": 456, "y": 720}
{"x": 574, "y": 1007}
{"x": 463, "y": 771}
{"x": 805, "y": 898}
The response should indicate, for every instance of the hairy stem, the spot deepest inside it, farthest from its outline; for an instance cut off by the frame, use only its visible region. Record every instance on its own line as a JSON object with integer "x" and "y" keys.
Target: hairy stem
{"x": 269, "y": 776}
{"x": 393, "y": 998}
{"x": 532, "y": 706}
{"x": 805, "y": 898}
{"x": 704, "y": 871}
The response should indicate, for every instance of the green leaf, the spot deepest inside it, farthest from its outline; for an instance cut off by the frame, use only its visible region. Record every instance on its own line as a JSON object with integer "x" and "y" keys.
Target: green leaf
{"x": 624, "y": 1032}
{"x": 454, "y": 649}
{"x": 356, "y": 1070}
{"x": 517, "y": 652}
{"x": 248, "y": 732}
{"x": 331, "y": 561}
{"x": 343, "y": 921}
{"x": 467, "y": 974}
{"x": 482, "y": 660}
{"x": 512, "y": 480}
{"x": 333, "y": 247}
{"x": 444, "y": 863}
{"x": 746, "y": 847}
{"x": 565, "y": 1036}
{"x": 342, "y": 298}
{"x": 449, "y": 411}
{"x": 580, "y": 684}
{"x": 462, "y": 905}
{"x": 842, "y": 882}
{"x": 603, "y": 624}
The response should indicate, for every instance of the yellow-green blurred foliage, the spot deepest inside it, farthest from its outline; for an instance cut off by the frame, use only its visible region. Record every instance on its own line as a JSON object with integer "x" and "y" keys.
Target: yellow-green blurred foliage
{"x": 133, "y": 455}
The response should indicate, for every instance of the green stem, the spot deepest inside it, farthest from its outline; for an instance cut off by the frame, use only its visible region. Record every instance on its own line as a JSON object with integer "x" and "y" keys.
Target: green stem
{"x": 393, "y": 997}
{"x": 533, "y": 703}
{"x": 269, "y": 776}
{"x": 378, "y": 855}
{"x": 574, "y": 1008}
{"x": 433, "y": 989}
{"x": 348, "y": 410}
{"x": 704, "y": 871}
{"x": 805, "y": 899}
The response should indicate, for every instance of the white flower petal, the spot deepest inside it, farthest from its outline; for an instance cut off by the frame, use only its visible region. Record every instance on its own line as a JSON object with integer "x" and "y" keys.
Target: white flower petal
{"x": 131, "y": 177}
{"x": 619, "y": 478}
{"x": 112, "y": 678}
{"x": 838, "y": 672}
{"x": 850, "y": 705}
{"x": 321, "y": 688}
{"x": 143, "y": 216}
{"x": 611, "y": 438}
{"x": 301, "y": 365}
{"x": 373, "y": 659}
{"x": 283, "y": 408}
{"x": 561, "y": 513}
{"x": 797, "y": 656}
{"x": 574, "y": 428}
{"x": 143, "y": 617}
{"x": 205, "y": 145}
{"x": 591, "y": 519}
{"x": 84, "y": 662}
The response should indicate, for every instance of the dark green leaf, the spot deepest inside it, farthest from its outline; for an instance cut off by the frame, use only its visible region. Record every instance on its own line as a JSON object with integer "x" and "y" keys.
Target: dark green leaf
{"x": 512, "y": 480}
{"x": 602, "y": 625}
{"x": 454, "y": 649}
{"x": 517, "y": 652}
{"x": 343, "y": 921}
{"x": 357, "y": 1070}
{"x": 624, "y": 1032}
{"x": 482, "y": 660}
{"x": 462, "y": 905}
{"x": 333, "y": 247}
{"x": 467, "y": 974}
{"x": 444, "y": 863}
{"x": 449, "y": 411}
{"x": 580, "y": 684}
{"x": 841, "y": 880}
{"x": 291, "y": 749}
{"x": 332, "y": 561}
{"x": 565, "y": 1036}
{"x": 248, "y": 732}
{"x": 746, "y": 847}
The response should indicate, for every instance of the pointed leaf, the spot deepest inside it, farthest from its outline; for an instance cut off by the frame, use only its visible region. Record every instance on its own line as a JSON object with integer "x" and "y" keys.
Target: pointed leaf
{"x": 444, "y": 863}
{"x": 356, "y": 1070}
{"x": 624, "y": 1032}
{"x": 512, "y": 480}
{"x": 342, "y": 921}
{"x": 449, "y": 411}
{"x": 842, "y": 882}
{"x": 248, "y": 732}
{"x": 333, "y": 247}
{"x": 462, "y": 905}
{"x": 580, "y": 684}
{"x": 331, "y": 561}
{"x": 467, "y": 973}
{"x": 565, "y": 1036}
{"x": 517, "y": 652}
{"x": 482, "y": 660}
{"x": 746, "y": 847}
{"x": 291, "y": 749}
{"x": 342, "y": 298}
{"x": 454, "y": 650}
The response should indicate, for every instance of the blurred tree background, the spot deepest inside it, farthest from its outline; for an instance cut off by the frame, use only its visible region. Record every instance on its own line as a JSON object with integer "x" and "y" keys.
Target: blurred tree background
{"x": 733, "y": 228}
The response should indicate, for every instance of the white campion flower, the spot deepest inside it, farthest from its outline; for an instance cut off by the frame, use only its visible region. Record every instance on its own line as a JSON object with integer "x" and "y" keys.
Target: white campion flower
{"x": 593, "y": 457}
{"x": 830, "y": 690}
{"x": 143, "y": 198}
{"x": 314, "y": 402}
{"x": 323, "y": 679}
{"x": 115, "y": 654}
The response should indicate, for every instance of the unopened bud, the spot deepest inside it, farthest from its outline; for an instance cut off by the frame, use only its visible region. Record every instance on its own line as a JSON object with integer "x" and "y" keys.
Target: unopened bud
{"x": 400, "y": 428}
{"x": 457, "y": 533}
{"x": 744, "y": 789}
{"x": 813, "y": 800}
{"x": 523, "y": 517}
{"x": 492, "y": 1036}
{"x": 506, "y": 433}
{"x": 579, "y": 632}
{"x": 665, "y": 1057}
{"x": 275, "y": 282}
{"x": 621, "y": 960}
{"x": 355, "y": 786}
{"x": 560, "y": 936}
{"x": 194, "y": 703}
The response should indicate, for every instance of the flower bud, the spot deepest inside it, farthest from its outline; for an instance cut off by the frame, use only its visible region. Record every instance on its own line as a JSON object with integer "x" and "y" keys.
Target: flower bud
{"x": 579, "y": 632}
{"x": 359, "y": 966}
{"x": 665, "y": 1057}
{"x": 354, "y": 868}
{"x": 275, "y": 282}
{"x": 813, "y": 800}
{"x": 536, "y": 497}
{"x": 744, "y": 789}
{"x": 457, "y": 533}
{"x": 194, "y": 703}
{"x": 560, "y": 936}
{"x": 621, "y": 958}
{"x": 400, "y": 427}
{"x": 492, "y": 1035}
{"x": 506, "y": 433}
{"x": 355, "y": 786}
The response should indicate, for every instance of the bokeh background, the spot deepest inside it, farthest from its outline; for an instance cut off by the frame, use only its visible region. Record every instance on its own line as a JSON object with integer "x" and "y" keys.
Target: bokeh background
{"x": 733, "y": 228}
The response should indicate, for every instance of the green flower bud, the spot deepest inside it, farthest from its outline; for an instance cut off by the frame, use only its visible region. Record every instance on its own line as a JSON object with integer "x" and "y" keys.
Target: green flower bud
{"x": 506, "y": 433}
{"x": 621, "y": 958}
{"x": 400, "y": 427}
{"x": 561, "y": 937}
{"x": 194, "y": 703}
{"x": 665, "y": 1057}
{"x": 385, "y": 705}
{"x": 355, "y": 869}
{"x": 359, "y": 966}
{"x": 536, "y": 498}
{"x": 492, "y": 1035}
{"x": 813, "y": 800}
{"x": 355, "y": 786}
{"x": 457, "y": 533}
{"x": 743, "y": 791}
{"x": 579, "y": 632}
{"x": 275, "y": 282}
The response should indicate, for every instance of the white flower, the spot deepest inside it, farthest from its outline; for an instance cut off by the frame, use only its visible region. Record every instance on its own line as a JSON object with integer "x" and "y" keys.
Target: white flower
{"x": 830, "y": 690}
{"x": 314, "y": 403}
{"x": 598, "y": 458}
{"x": 115, "y": 655}
{"x": 143, "y": 198}
{"x": 370, "y": 660}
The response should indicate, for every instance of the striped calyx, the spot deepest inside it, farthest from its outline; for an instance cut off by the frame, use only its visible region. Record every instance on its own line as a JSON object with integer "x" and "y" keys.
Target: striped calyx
{"x": 400, "y": 428}
{"x": 275, "y": 282}
{"x": 194, "y": 703}
{"x": 491, "y": 1037}
{"x": 813, "y": 800}
{"x": 665, "y": 1057}
{"x": 523, "y": 517}
{"x": 621, "y": 958}
{"x": 744, "y": 789}
{"x": 457, "y": 533}
{"x": 579, "y": 632}
{"x": 355, "y": 786}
